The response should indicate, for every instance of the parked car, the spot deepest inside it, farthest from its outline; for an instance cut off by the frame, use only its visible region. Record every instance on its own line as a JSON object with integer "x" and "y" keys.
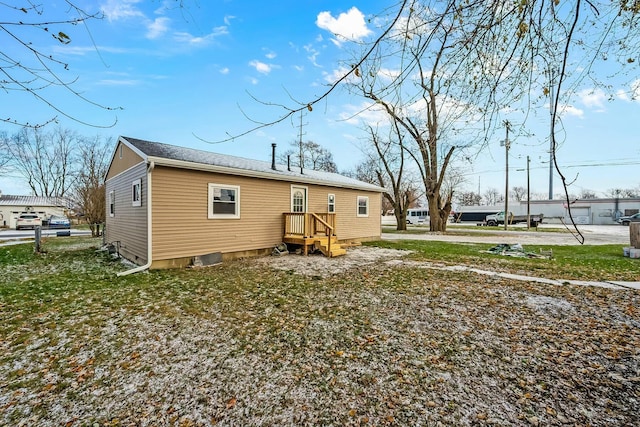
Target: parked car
{"x": 28, "y": 220}
{"x": 626, "y": 220}
{"x": 59, "y": 221}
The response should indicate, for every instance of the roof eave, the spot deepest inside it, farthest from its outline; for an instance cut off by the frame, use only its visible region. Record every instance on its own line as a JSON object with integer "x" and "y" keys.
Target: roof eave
{"x": 163, "y": 161}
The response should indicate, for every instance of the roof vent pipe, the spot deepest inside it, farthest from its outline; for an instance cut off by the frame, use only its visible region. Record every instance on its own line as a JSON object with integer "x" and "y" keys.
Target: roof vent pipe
{"x": 289, "y": 162}
{"x": 273, "y": 156}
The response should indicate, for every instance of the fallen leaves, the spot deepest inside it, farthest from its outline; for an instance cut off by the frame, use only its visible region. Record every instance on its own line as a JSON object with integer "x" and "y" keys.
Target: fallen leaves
{"x": 375, "y": 344}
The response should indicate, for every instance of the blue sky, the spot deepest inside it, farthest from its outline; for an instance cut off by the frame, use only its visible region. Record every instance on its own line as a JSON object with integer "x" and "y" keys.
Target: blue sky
{"x": 177, "y": 73}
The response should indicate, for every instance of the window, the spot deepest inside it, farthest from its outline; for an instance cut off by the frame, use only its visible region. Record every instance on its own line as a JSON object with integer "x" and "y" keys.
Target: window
{"x": 136, "y": 193}
{"x": 298, "y": 201}
{"x": 224, "y": 201}
{"x": 363, "y": 206}
{"x": 331, "y": 204}
{"x": 112, "y": 203}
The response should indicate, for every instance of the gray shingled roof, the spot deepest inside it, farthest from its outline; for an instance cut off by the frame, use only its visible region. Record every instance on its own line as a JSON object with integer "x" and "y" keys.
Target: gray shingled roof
{"x": 173, "y": 152}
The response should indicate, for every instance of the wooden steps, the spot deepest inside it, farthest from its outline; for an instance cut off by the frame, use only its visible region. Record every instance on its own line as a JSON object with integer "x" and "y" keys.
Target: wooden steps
{"x": 322, "y": 244}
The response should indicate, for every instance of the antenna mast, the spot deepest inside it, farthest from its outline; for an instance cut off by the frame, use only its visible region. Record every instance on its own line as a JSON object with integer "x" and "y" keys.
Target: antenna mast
{"x": 300, "y": 134}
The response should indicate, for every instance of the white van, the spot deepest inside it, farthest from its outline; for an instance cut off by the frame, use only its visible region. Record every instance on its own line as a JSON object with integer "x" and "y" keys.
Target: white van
{"x": 417, "y": 216}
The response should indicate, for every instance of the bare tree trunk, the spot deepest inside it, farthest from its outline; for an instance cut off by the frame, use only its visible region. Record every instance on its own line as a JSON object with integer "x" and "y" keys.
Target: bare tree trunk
{"x": 401, "y": 219}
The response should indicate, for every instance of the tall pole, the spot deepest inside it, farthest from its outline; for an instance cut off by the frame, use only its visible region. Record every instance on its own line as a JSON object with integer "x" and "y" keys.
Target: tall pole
{"x": 528, "y": 197}
{"x": 300, "y": 142}
{"x": 506, "y": 180}
{"x": 551, "y": 144}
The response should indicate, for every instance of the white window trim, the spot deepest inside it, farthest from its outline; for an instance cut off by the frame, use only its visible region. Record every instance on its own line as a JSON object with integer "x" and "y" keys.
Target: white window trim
{"x": 138, "y": 202}
{"x": 210, "y": 213}
{"x": 112, "y": 203}
{"x": 306, "y": 196}
{"x": 329, "y": 204}
{"x": 358, "y": 214}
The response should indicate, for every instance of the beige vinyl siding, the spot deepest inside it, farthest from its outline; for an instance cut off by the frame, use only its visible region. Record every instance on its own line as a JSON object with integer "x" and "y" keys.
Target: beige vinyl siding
{"x": 129, "y": 224}
{"x": 119, "y": 165}
{"x": 181, "y": 227}
{"x": 348, "y": 225}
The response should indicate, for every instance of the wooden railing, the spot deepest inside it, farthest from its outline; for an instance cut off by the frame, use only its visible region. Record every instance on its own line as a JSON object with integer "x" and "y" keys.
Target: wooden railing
{"x": 305, "y": 224}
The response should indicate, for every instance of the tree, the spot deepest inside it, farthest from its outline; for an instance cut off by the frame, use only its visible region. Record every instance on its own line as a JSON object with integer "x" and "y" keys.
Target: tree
{"x": 469, "y": 198}
{"x": 314, "y": 157}
{"x": 386, "y": 167}
{"x": 4, "y": 157}
{"x": 89, "y": 189}
{"x": 28, "y": 67}
{"x": 45, "y": 160}
{"x": 587, "y": 194}
{"x": 486, "y": 58}
{"x": 492, "y": 196}
{"x": 624, "y": 193}
{"x": 518, "y": 193}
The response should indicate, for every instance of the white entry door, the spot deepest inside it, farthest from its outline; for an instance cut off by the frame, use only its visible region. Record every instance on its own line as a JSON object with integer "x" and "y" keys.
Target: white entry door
{"x": 298, "y": 199}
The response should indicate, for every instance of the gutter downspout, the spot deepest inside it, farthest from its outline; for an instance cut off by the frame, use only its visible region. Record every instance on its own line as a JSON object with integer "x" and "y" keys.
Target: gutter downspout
{"x": 149, "y": 251}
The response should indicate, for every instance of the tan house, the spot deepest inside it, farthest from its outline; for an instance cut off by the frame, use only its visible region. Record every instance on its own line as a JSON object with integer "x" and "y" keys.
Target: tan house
{"x": 168, "y": 206}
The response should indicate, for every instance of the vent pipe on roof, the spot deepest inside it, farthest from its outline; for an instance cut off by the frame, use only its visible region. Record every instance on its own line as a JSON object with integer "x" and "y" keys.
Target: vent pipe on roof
{"x": 273, "y": 156}
{"x": 289, "y": 162}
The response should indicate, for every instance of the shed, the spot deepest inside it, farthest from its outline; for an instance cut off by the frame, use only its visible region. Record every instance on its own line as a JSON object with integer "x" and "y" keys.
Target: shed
{"x": 167, "y": 205}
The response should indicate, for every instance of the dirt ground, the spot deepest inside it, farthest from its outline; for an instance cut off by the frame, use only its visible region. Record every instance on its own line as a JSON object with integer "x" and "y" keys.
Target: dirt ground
{"x": 359, "y": 257}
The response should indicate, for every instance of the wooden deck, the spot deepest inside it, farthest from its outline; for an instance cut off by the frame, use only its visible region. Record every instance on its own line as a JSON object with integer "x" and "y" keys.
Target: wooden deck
{"x": 313, "y": 230}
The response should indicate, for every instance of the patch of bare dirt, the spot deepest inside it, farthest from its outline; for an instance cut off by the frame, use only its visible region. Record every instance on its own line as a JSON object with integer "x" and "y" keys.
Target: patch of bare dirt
{"x": 321, "y": 266}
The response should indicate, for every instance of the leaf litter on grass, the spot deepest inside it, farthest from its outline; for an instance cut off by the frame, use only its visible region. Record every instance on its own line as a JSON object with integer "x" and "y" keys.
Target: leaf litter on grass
{"x": 279, "y": 341}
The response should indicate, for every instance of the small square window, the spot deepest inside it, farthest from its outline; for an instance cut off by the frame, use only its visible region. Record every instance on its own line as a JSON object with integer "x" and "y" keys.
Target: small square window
{"x": 331, "y": 203}
{"x": 224, "y": 201}
{"x": 136, "y": 193}
{"x": 363, "y": 206}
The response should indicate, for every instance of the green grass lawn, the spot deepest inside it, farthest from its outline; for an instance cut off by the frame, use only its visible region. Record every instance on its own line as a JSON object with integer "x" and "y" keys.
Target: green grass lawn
{"x": 595, "y": 262}
{"x": 245, "y": 343}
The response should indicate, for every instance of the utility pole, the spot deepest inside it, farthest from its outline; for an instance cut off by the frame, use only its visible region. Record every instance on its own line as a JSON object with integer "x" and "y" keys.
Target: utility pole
{"x": 551, "y": 140}
{"x": 528, "y": 197}
{"x": 506, "y": 144}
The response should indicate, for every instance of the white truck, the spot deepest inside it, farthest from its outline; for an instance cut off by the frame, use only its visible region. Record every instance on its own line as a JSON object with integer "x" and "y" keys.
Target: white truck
{"x": 498, "y": 218}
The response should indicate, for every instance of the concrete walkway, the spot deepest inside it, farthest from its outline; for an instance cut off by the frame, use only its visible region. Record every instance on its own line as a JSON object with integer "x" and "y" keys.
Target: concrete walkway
{"x": 463, "y": 268}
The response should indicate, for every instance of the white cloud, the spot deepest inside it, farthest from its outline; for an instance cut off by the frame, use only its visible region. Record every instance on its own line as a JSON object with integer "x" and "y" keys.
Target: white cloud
{"x": 593, "y": 98}
{"x": 224, "y": 70}
{"x": 184, "y": 37}
{"x": 115, "y": 10}
{"x": 261, "y": 67}
{"x": 347, "y": 26}
{"x": 633, "y": 94}
{"x": 388, "y": 73}
{"x": 365, "y": 112}
{"x": 338, "y": 73}
{"x": 157, "y": 27}
{"x": 270, "y": 55}
{"x": 570, "y": 110}
{"x": 298, "y": 67}
{"x": 622, "y": 95}
{"x": 312, "y": 54}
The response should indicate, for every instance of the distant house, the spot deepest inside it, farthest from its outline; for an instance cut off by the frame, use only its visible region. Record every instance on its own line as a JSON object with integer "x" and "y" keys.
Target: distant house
{"x": 12, "y": 206}
{"x": 168, "y": 206}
